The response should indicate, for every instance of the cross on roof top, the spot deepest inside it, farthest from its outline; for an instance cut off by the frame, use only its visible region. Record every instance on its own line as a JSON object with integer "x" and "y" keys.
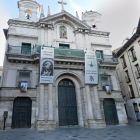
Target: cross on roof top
{"x": 62, "y": 5}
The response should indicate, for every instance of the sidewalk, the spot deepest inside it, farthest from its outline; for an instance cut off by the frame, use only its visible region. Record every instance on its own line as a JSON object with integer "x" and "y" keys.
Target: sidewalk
{"x": 127, "y": 132}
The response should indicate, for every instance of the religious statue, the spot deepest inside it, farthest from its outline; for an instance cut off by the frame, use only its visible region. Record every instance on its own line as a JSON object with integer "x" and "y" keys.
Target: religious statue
{"x": 63, "y": 32}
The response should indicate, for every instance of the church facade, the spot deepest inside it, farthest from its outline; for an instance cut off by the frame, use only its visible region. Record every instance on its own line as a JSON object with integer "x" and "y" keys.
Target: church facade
{"x": 67, "y": 101}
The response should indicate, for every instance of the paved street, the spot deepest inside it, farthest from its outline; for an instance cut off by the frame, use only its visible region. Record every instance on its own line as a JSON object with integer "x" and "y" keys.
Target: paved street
{"x": 128, "y": 132}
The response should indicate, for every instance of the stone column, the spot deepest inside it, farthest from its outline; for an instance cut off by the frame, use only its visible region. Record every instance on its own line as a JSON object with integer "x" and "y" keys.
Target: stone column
{"x": 98, "y": 122}
{"x": 79, "y": 108}
{"x": 49, "y": 37}
{"x": 41, "y": 103}
{"x": 51, "y": 124}
{"x": 89, "y": 104}
{"x": 87, "y": 42}
{"x": 97, "y": 108}
{"x": 50, "y": 102}
{"x": 41, "y": 124}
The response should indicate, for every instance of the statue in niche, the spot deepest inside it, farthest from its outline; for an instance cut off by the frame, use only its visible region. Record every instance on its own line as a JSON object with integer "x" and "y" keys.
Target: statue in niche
{"x": 63, "y": 32}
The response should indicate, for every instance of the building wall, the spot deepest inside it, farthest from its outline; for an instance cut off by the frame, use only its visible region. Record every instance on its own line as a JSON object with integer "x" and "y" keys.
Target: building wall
{"x": 131, "y": 67}
{"x": 65, "y": 67}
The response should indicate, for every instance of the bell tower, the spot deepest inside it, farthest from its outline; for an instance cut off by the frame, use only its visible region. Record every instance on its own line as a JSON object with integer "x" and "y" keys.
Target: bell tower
{"x": 28, "y": 10}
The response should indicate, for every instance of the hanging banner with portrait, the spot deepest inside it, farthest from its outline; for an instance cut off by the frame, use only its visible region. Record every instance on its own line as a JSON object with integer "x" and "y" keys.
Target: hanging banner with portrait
{"x": 91, "y": 68}
{"x": 46, "y": 64}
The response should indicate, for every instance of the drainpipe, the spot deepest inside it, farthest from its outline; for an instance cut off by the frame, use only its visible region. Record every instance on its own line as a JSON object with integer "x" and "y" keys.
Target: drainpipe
{"x": 133, "y": 74}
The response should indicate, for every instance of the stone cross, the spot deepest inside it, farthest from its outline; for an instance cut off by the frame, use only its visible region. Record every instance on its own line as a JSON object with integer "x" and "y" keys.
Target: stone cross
{"x": 62, "y": 5}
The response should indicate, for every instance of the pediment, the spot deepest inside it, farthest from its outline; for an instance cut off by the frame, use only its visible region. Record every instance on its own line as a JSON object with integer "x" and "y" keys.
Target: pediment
{"x": 64, "y": 17}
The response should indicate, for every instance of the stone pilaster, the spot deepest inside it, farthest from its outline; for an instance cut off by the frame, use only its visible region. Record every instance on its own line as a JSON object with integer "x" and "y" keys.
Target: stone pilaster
{"x": 41, "y": 124}
{"x": 99, "y": 122}
{"x": 51, "y": 124}
{"x": 90, "y": 118}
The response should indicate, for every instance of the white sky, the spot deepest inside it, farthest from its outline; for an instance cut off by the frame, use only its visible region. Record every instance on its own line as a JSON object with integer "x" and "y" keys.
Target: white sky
{"x": 119, "y": 17}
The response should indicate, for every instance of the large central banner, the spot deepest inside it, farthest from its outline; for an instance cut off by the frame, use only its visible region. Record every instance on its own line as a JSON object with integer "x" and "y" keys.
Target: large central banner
{"x": 46, "y": 64}
{"x": 91, "y": 68}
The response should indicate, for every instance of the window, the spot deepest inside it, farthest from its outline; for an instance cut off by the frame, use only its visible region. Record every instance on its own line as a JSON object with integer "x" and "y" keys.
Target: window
{"x": 99, "y": 54}
{"x": 131, "y": 92}
{"x": 24, "y": 77}
{"x": 127, "y": 77}
{"x": 133, "y": 56}
{"x": 123, "y": 61}
{"x": 137, "y": 71}
{"x": 105, "y": 80}
{"x": 63, "y": 46}
{"x": 26, "y": 48}
{"x": 0, "y": 78}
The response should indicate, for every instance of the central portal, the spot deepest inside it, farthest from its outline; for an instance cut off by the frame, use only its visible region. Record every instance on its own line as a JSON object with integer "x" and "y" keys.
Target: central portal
{"x": 67, "y": 103}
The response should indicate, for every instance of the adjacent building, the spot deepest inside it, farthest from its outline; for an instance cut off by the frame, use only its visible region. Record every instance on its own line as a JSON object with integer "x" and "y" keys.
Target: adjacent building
{"x": 0, "y": 73}
{"x": 68, "y": 100}
{"x": 128, "y": 71}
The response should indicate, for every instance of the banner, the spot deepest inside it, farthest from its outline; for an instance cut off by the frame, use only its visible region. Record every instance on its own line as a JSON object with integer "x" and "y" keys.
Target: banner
{"x": 91, "y": 68}
{"x": 46, "y": 64}
{"x": 108, "y": 89}
{"x": 23, "y": 86}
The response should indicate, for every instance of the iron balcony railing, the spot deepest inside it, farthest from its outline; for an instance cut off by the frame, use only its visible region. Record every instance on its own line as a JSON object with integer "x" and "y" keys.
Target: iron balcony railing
{"x": 127, "y": 79}
{"x": 106, "y": 58}
{"x": 18, "y": 50}
{"x": 137, "y": 74}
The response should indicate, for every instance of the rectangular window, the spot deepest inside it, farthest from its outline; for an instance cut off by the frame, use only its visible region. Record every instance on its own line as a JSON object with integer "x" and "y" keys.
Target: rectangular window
{"x": 131, "y": 92}
{"x": 133, "y": 56}
{"x": 137, "y": 71}
{"x": 63, "y": 46}
{"x": 127, "y": 77}
{"x": 123, "y": 62}
{"x": 24, "y": 77}
{"x": 26, "y": 48}
{"x": 99, "y": 54}
{"x": 105, "y": 80}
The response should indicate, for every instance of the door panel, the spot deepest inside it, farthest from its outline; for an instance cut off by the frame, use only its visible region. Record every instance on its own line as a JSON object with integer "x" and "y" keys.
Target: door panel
{"x": 110, "y": 112}
{"x": 22, "y": 113}
{"x": 67, "y": 103}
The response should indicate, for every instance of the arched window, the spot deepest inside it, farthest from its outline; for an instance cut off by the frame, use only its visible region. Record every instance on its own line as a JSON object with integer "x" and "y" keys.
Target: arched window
{"x": 63, "y": 32}
{"x": 28, "y": 14}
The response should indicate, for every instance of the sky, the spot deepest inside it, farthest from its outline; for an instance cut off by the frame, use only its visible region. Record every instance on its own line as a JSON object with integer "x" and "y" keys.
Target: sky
{"x": 119, "y": 17}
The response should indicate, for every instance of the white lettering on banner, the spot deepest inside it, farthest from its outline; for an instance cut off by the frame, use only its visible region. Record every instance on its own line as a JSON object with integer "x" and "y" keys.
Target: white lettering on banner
{"x": 46, "y": 64}
{"x": 91, "y": 68}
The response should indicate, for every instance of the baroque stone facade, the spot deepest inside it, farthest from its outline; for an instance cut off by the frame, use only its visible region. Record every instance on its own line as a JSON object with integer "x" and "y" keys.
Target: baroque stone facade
{"x": 21, "y": 63}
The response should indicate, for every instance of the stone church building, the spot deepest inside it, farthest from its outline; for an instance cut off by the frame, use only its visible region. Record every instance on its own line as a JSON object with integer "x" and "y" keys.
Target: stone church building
{"x": 68, "y": 100}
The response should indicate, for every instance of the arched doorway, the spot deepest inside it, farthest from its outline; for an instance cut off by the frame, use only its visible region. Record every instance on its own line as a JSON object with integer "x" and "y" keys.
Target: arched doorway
{"x": 110, "y": 112}
{"x": 67, "y": 105}
{"x": 21, "y": 117}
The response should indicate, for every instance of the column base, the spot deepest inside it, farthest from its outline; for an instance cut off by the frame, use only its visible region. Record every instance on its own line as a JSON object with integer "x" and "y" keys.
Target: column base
{"x": 41, "y": 125}
{"x": 51, "y": 125}
{"x": 100, "y": 123}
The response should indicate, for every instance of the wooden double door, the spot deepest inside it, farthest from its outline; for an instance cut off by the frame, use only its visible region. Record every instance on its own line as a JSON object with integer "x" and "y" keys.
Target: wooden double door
{"x": 21, "y": 117}
{"x": 67, "y": 103}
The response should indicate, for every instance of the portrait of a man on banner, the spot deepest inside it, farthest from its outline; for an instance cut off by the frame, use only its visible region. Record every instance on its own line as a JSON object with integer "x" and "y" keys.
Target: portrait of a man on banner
{"x": 47, "y": 68}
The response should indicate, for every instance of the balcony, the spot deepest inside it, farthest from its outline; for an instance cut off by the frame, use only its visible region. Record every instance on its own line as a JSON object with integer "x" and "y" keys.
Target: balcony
{"x": 110, "y": 58}
{"x": 106, "y": 58}
{"x": 137, "y": 74}
{"x": 127, "y": 79}
{"x": 18, "y": 50}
